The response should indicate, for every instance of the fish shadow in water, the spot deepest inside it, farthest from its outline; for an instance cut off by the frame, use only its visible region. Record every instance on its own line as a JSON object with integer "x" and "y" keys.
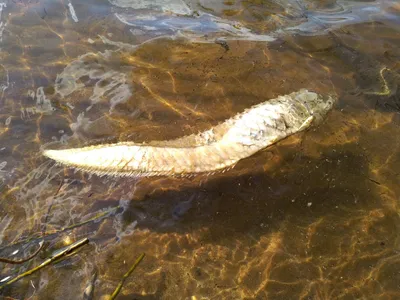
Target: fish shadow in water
{"x": 301, "y": 191}
{"x": 307, "y": 214}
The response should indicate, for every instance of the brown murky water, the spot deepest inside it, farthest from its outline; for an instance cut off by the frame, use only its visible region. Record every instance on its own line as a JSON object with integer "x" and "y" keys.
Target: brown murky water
{"x": 313, "y": 217}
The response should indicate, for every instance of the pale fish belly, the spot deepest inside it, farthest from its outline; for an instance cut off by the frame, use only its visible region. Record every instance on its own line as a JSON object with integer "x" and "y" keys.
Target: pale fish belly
{"x": 214, "y": 150}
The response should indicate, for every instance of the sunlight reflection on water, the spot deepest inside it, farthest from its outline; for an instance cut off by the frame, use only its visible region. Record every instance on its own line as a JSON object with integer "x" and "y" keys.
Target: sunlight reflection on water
{"x": 315, "y": 216}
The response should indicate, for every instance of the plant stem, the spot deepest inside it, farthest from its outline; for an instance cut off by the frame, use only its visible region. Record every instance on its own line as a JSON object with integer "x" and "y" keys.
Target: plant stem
{"x": 55, "y": 256}
{"x": 16, "y": 262}
{"x": 126, "y": 275}
{"x": 50, "y": 234}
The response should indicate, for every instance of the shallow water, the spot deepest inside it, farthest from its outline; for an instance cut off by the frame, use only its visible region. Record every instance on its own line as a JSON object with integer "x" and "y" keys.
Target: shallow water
{"x": 314, "y": 217}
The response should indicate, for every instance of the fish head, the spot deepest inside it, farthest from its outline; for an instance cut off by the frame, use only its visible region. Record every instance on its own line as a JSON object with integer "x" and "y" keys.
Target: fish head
{"x": 315, "y": 105}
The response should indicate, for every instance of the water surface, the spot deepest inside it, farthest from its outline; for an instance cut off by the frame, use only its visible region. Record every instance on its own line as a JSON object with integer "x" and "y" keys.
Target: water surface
{"x": 313, "y": 217}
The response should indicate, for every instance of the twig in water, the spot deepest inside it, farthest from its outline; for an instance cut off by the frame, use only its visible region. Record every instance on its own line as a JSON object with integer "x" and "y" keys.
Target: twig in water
{"x": 56, "y": 256}
{"x": 44, "y": 228}
{"x": 48, "y": 235}
{"x": 41, "y": 243}
{"x": 374, "y": 181}
{"x": 126, "y": 275}
{"x": 21, "y": 261}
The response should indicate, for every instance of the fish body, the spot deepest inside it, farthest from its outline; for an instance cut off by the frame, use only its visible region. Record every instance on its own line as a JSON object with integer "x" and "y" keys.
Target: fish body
{"x": 214, "y": 150}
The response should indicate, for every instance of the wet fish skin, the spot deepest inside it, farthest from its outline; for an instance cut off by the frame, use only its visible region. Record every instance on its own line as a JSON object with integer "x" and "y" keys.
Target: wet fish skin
{"x": 216, "y": 149}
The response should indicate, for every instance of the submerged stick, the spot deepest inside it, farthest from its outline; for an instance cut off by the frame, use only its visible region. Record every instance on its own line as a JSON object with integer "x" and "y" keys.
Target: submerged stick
{"x": 47, "y": 235}
{"x": 126, "y": 275}
{"x": 50, "y": 207}
{"x": 56, "y": 256}
{"x": 41, "y": 243}
{"x": 95, "y": 218}
{"x": 21, "y": 261}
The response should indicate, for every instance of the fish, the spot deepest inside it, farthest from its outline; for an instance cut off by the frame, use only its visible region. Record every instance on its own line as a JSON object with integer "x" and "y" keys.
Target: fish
{"x": 215, "y": 150}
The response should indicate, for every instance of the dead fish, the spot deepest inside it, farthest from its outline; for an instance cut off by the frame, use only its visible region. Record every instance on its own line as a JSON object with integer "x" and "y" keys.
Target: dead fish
{"x": 216, "y": 149}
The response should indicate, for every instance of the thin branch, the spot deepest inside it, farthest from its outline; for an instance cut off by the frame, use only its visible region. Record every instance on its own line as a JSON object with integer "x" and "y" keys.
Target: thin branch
{"x": 48, "y": 235}
{"x": 44, "y": 229}
{"x": 55, "y": 256}
{"x": 121, "y": 283}
{"x": 21, "y": 261}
